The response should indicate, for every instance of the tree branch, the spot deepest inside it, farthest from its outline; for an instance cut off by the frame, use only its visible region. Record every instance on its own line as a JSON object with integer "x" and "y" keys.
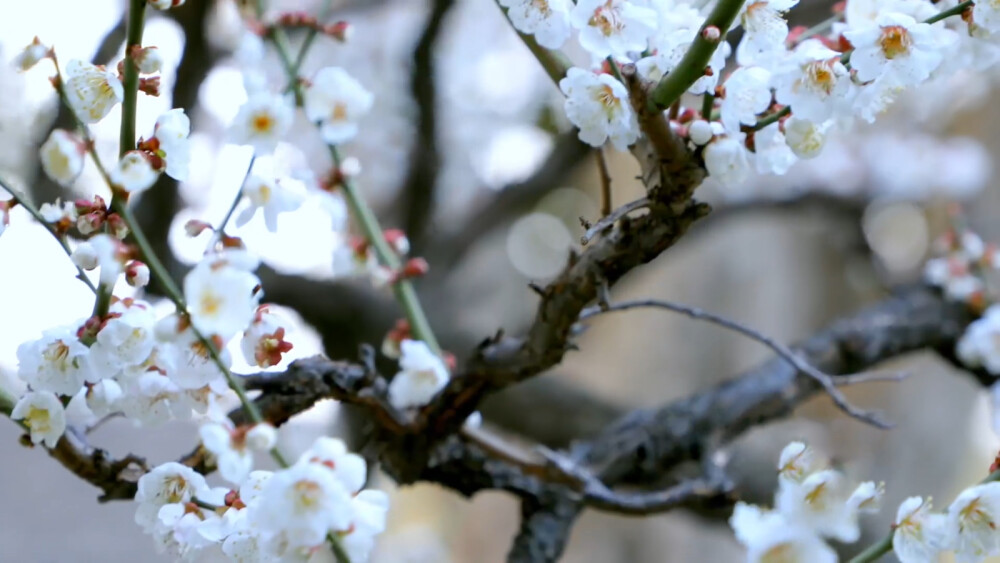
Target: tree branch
{"x": 418, "y": 189}
{"x": 450, "y": 248}
{"x": 646, "y": 444}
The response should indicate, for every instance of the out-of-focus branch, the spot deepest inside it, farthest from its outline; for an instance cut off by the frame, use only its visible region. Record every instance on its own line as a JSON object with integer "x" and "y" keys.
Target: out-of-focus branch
{"x": 419, "y": 187}
{"x": 117, "y": 478}
{"x": 449, "y": 248}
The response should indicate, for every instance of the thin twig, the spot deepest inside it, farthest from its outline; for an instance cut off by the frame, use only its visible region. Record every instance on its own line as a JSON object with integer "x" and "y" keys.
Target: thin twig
{"x": 609, "y": 220}
{"x": 221, "y": 230}
{"x": 605, "y": 176}
{"x": 23, "y": 202}
{"x": 825, "y": 380}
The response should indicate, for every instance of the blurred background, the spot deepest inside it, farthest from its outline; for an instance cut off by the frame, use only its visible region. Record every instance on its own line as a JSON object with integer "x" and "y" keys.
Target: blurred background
{"x": 488, "y": 180}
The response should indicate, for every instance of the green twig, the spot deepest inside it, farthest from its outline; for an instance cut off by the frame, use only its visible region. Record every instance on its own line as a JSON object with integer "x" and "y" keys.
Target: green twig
{"x": 405, "y": 293}
{"x": 221, "y": 230}
{"x": 699, "y": 54}
{"x": 787, "y": 110}
{"x": 953, "y": 11}
{"x": 130, "y": 78}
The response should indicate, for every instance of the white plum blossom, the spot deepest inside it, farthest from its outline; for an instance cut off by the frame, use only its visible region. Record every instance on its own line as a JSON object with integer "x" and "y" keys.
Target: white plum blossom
{"x": 547, "y": 20}
{"x": 897, "y": 48}
{"x": 613, "y": 27}
{"x": 126, "y": 339}
{"x": 221, "y": 297}
{"x": 263, "y": 121}
{"x": 796, "y": 462}
{"x": 820, "y": 502}
{"x": 867, "y": 497}
{"x": 770, "y": 537}
{"x": 748, "y": 93}
{"x": 111, "y": 255}
{"x": 804, "y": 137}
{"x": 263, "y": 342}
{"x": 102, "y": 397}
{"x": 679, "y": 26}
{"x": 727, "y": 160}
{"x": 62, "y": 157}
{"x": 170, "y": 483}
{"x": 303, "y": 504}
{"x": 598, "y": 105}
{"x": 30, "y": 55}
{"x": 813, "y": 82}
{"x": 43, "y": 414}
{"x": 349, "y": 468}
{"x": 91, "y": 90}
{"x": 171, "y": 133}
{"x": 272, "y": 196}
{"x": 151, "y": 398}
{"x": 233, "y": 447}
{"x": 765, "y": 25}
{"x": 973, "y": 519}
{"x": 979, "y": 345}
{"x": 56, "y": 362}
{"x": 422, "y": 374}
{"x": 149, "y": 60}
{"x": 336, "y": 101}
{"x": 986, "y": 14}
{"x": 134, "y": 172}
{"x": 772, "y": 154}
{"x": 919, "y": 535}
{"x": 370, "y": 510}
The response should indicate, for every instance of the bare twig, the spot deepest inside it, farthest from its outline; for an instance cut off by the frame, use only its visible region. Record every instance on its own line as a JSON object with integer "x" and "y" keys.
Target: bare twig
{"x": 608, "y": 220}
{"x": 824, "y": 379}
{"x": 605, "y": 177}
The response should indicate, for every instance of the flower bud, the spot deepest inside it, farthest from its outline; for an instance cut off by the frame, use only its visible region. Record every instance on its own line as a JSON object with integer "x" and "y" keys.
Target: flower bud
{"x": 137, "y": 274}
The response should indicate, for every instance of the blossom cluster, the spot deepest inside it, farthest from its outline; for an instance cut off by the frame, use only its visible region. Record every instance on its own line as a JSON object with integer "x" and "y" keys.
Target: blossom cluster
{"x": 813, "y": 503}
{"x": 131, "y": 362}
{"x": 285, "y": 515}
{"x": 790, "y": 89}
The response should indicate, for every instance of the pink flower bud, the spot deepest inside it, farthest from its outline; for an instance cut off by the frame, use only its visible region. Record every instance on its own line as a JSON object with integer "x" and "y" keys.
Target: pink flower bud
{"x": 137, "y": 274}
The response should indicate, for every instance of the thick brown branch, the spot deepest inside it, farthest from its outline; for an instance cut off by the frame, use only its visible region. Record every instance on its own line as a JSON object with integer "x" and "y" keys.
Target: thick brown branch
{"x": 646, "y": 444}
{"x": 117, "y": 478}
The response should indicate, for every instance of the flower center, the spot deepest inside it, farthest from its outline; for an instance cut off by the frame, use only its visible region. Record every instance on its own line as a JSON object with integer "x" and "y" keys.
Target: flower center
{"x": 210, "y": 303}
{"x": 820, "y": 75}
{"x": 262, "y": 123}
{"x": 973, "y": 515}
{"x": 895, "y": 41}
{"x": 57, "y": 354}
{"x": 542, "y": 6}
{"x": 175, "y": 487}
{"x": 307, "y": 493}
{"x": 606, "y": 19}
{"x": 38, "y": 419}
{"x": 339, "y": 111}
